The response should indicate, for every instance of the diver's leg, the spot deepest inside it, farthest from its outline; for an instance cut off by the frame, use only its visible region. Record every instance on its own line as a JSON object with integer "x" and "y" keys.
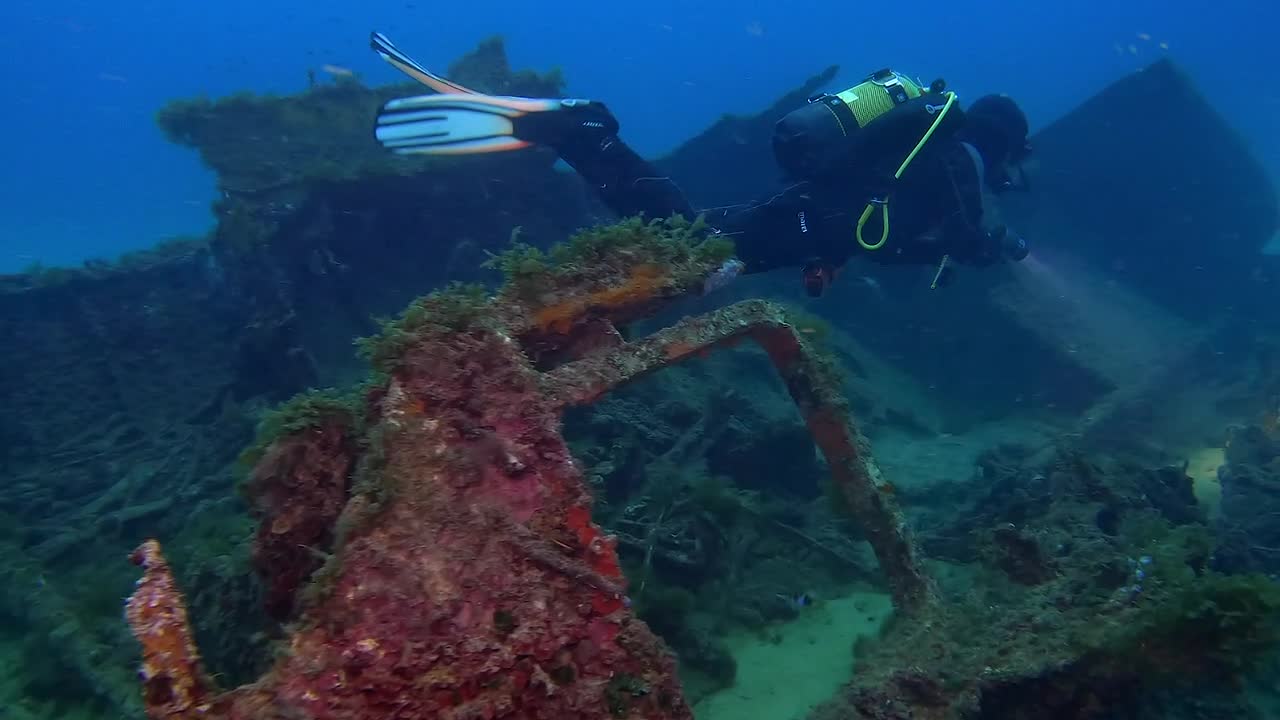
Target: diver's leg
{"x": 460, "y": 120}
{"x": 790, "y": 228}
{"x": 626, "y": 182}
{"x": 802, "y": 226}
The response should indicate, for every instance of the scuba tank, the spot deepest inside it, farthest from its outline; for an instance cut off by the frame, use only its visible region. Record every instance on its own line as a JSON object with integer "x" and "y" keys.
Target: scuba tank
{"x": 834, "y": 135}
{"x": 865, "y": 137}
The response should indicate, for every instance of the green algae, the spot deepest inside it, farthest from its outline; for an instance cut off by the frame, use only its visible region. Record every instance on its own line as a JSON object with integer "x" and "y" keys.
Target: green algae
{"x": 590, "y": 256}
{"x": 1185, "y": 618}
{"x": 452, "y": 309}
{"x": 312, "y": 408}
{"x": 605, "y": 251}
{"x": 38, "y": 276}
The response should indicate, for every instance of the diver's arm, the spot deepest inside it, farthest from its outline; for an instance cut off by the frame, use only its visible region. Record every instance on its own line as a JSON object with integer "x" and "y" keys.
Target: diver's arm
{"x": 970, "y": 233}
{"x": 985, "y": 243}
{"x": 787, "y": 229}
{"x": 806, "y": 226}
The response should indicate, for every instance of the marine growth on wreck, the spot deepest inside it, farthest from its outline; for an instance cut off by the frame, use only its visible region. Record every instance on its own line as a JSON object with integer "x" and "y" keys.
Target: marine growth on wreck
{"x": 557, "y": 480}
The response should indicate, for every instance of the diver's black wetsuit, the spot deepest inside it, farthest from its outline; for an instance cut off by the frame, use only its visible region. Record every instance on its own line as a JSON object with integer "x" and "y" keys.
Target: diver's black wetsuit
{"x": 936, "y": 210}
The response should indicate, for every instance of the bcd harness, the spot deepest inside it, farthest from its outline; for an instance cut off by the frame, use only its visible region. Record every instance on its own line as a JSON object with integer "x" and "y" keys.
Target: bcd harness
{"x": 863, "y": 131}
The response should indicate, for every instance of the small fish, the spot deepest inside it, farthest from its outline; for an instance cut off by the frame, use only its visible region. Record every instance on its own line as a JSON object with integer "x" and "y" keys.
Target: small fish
{"x": 1164, "y": 46}
{"x": 871, "y": 284}
{"x": 796, "y": 602}
{"x": 755, "y": 29}
{"x": 1144, "y": 37}
{"x": 337, "y": 70}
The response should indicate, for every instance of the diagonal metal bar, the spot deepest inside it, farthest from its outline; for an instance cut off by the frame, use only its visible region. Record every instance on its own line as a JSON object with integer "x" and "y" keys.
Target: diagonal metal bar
{"x": 813, "y": 384}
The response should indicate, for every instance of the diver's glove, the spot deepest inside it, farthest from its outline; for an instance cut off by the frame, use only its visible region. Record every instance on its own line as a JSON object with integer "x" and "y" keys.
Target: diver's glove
{"x": 1014, "y": 247}
{"x": 1000, "y": 244}
{"x": 573, "y": 125}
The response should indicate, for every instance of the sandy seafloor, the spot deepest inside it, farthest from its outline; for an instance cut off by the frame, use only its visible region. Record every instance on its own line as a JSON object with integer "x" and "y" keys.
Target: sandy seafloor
{"x": 786, "y": 671}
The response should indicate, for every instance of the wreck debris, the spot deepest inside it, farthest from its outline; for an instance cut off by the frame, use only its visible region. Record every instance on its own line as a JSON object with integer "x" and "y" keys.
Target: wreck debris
{"x": 173, "y": 681}
{"x": 78, "y": 650}
{"x": 300, "y": 487}
{"x": 467, "y": 578}
{"x": 813, "y": 387}
{"x": 1106, "y": 604}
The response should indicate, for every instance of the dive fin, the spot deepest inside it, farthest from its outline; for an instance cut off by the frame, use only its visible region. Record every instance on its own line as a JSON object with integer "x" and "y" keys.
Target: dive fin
{"x": 407, "y": 65}
{"x": 457, "y": 121}
{"x": 454, "y": 124}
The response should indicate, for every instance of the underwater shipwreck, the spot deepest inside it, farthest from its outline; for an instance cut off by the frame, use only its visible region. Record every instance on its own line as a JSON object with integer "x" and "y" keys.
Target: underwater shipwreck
{"x": 556, "y": 478}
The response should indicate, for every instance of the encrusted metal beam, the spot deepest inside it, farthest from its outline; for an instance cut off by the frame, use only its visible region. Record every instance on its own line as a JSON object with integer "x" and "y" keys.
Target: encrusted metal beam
{"x": 812, "y": 383}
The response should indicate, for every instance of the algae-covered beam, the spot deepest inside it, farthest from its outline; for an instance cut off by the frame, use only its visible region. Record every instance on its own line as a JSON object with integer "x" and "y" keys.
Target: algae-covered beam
{"x": 853, "y": 469}
{"x": 815, "y": 388}
{"x": 174, "y": 683}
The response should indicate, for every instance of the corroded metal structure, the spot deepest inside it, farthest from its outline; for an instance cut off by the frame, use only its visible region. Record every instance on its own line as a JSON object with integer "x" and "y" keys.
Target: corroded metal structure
{"x": 434, "y": 548}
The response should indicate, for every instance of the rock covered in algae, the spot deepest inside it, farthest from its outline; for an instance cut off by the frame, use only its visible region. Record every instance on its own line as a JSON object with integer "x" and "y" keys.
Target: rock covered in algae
{"x": 463, "y": 576}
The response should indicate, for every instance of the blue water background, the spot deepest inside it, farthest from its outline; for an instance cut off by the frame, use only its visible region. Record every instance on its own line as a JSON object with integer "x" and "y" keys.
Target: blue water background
{"x": 87, "y": 174}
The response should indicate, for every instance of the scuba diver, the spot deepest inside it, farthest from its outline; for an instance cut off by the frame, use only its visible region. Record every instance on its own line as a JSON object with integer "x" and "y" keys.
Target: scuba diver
{"x": 888, "y": 169}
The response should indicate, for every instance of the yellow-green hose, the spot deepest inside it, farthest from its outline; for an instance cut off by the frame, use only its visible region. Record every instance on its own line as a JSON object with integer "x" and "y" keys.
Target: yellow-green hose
{"x": 884, "y": 205}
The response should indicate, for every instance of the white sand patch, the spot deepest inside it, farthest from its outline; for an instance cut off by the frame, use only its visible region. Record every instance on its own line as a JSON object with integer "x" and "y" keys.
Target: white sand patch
{"x": 910, "y": 461}
{"x": 800, "y": 663}
{"x": 1202, "y": 466}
